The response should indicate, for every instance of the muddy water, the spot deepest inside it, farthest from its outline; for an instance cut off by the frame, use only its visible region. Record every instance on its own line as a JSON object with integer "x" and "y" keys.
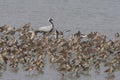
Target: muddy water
{"x": 74, "y": 15}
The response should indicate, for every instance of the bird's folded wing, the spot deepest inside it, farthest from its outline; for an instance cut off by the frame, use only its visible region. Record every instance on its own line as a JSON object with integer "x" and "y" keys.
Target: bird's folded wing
{"x": 45, "y": 28}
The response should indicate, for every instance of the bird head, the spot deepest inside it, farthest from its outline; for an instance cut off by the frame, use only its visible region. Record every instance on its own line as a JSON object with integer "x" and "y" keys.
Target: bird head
{"x": 50, "y": 20}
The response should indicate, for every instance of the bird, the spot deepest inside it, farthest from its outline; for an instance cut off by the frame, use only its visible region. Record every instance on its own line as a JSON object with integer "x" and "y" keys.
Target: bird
{"x": 47, "y": 28}
{"x": 117, "y": 35}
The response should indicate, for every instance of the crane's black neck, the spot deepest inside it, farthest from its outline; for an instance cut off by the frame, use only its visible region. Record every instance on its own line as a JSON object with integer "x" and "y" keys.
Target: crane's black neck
{"x": 52, "y": 26}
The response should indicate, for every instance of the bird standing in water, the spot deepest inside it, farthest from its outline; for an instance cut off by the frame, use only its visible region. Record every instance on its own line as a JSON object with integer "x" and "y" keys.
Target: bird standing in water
{"x": 47, "y": 28}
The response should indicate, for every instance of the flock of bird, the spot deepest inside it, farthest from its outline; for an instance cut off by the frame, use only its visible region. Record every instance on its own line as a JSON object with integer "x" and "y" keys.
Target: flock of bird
{"x": 78, "y": 53}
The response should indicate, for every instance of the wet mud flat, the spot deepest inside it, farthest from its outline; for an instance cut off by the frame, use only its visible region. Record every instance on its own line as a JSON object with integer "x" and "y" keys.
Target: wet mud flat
{"x": 75, "y": 56}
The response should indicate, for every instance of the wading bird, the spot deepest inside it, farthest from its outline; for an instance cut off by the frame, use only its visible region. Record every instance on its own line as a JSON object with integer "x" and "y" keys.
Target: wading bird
{"x": 47, "y": 28}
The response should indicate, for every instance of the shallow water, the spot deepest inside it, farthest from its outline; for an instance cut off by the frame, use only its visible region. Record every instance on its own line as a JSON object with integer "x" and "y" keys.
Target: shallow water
{"x": 74, "y": 15}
